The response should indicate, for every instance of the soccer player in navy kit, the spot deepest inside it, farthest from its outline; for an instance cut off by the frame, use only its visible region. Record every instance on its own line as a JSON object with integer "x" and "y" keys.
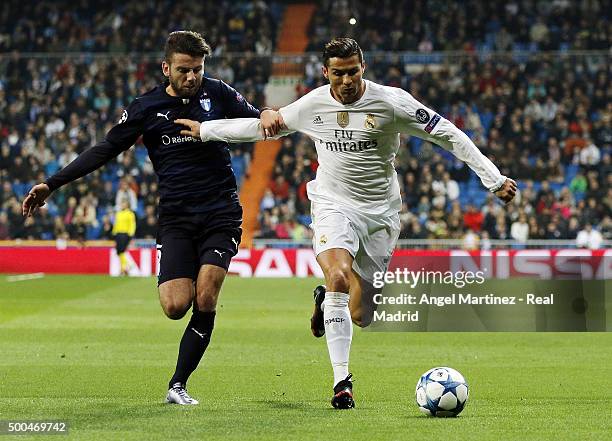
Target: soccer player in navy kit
{"x": 199, "y": 212}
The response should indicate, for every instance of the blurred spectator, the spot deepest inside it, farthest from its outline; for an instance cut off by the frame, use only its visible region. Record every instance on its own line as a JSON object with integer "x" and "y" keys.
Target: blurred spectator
{"x": 589, "y": 156}
{"x": 485, "y": 242}
{"x": 4, "y": 226}
{"x": 107, "y": 228}
{"x": 573, "y": 228}
{"x": 87, "y": 210}
{"x": 125, "y": 192}
{"x": 519, "y": 230}
{"x": 59, "y": 229}
{"x": 606, "y": 227}
{"x": 267, "y": 202}
{"x": 446, "y": 187}
{"x": 589, "y": 238}
{"x": 147, "y": 226}
{"x": 473, "y": 218}
{"x": 240, "y": 163}
{"x": 578, "y": 185}
{"x": 280, "y": 188}
{"x": 471, "y": 240}
{"x": 77, "y": 229}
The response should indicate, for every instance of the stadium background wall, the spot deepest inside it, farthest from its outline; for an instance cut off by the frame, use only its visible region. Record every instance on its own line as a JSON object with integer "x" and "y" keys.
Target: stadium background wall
{"x": 500, "y": 264}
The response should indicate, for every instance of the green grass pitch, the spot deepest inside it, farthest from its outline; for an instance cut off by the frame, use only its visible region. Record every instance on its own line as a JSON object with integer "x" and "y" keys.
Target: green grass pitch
{"x": 97, "y": 352}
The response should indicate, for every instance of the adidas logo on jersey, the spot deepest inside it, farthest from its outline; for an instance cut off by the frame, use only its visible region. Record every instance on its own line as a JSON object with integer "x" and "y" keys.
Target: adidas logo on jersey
{"x": 317, "y": 120}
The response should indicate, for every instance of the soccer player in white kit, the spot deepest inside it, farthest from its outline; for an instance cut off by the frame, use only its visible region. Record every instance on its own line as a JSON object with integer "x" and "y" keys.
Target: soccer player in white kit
{"x": 355, "y": 125}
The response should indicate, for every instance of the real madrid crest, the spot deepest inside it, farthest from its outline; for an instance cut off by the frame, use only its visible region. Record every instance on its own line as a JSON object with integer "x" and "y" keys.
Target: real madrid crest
{"x": 370, "y": 121}
{"x": 343, "y": 119}
{"x": 323, "y": 238}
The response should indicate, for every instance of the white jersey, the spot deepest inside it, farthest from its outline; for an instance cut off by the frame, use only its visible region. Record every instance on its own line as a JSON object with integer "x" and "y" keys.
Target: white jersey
{"x": 356, "y": 143}
{"x": 356, "y": 147}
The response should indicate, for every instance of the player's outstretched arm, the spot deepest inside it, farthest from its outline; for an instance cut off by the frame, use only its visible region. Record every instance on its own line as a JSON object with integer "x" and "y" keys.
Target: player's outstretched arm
{"x": 412, "y": 117}
{"x": 233, "y": 130}
{"x": 228, "y": 130}
{"x": 457, "y": 142}
{"x": 88, "y": 161}
{"x": 120, "y": 138}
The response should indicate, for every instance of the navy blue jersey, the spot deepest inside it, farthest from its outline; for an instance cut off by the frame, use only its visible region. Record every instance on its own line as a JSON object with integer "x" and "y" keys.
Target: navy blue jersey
{"x": 194, "y": 177}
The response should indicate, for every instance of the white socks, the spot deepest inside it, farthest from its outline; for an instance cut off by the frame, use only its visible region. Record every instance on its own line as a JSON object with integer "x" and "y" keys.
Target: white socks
{"x": 338, "y": 332}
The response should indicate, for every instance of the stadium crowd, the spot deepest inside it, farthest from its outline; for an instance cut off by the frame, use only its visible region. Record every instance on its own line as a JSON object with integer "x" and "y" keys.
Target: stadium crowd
{"x": 441, "y": 25}
{"x": 136, "y": 26}
{"x": 52, "y": 107}
{"x": 544, "y": 120}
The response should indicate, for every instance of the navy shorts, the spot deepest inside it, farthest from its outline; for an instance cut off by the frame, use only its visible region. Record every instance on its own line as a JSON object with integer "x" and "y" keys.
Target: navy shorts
{"x": 122, "y": 240}
{"x": 185, "y": 242}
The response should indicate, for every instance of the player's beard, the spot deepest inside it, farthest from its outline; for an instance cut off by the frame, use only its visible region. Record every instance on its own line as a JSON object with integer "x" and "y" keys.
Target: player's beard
{"x": 347, "y": 95}
{"x": 185, "y": 92}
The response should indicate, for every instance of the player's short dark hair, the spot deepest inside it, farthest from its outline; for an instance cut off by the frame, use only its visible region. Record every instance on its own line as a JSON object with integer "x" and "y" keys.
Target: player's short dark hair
{"x": 341, "y": 48}
{"x": 186, "y": 42}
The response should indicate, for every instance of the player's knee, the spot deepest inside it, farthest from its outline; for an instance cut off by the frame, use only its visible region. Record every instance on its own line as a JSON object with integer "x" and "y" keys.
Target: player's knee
{"x": 174, "y": 312}
{"x": 363, "y": 320}
{"x": 175, "y": 297}
{"x": 174, "y": 309}
{"x": 339, "y": 279}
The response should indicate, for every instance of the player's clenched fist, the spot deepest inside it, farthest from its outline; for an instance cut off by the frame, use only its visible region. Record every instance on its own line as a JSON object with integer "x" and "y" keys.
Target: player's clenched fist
{"x": 35, "y": 198}
{"x": 507, "y": 191}
{"x": 271, "y": 123}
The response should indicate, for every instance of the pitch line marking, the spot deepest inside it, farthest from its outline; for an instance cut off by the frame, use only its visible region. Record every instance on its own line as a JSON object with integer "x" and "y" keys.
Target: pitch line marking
{"x": 23, "y": 277}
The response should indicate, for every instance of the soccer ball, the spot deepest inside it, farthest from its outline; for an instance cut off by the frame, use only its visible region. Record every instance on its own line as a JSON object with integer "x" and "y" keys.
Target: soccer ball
{"x": 441, "y": 392}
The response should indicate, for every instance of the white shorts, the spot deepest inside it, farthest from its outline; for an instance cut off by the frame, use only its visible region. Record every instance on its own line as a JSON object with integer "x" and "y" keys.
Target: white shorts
{"x": 369, "y": 239}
